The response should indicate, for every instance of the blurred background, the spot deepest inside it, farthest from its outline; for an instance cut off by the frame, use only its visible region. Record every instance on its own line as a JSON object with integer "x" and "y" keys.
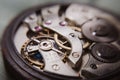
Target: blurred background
{"x": 10, "y": 8}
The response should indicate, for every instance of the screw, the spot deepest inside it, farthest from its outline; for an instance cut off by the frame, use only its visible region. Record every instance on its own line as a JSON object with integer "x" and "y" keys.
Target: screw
{"x": 63, "y": 23}
{"x": 48, "y": 22}
{"x": 93, "y": 66}
{"x": 72, "y": 34}
{"x": 45, "y": 44}
{"x": 55, "y": 67}
{"x": 75, "y": 55}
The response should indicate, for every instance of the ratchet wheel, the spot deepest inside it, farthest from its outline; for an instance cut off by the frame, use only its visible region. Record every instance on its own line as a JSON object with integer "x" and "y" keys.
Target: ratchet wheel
{"x": 63, "y": 41}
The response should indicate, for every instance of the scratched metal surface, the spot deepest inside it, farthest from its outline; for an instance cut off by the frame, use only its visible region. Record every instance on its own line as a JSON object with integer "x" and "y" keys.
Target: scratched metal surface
{"x": 10, "y": 8}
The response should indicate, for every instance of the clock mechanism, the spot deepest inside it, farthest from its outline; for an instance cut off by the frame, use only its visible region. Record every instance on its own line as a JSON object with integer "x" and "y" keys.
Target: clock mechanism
{"x": 76, "y": 41}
